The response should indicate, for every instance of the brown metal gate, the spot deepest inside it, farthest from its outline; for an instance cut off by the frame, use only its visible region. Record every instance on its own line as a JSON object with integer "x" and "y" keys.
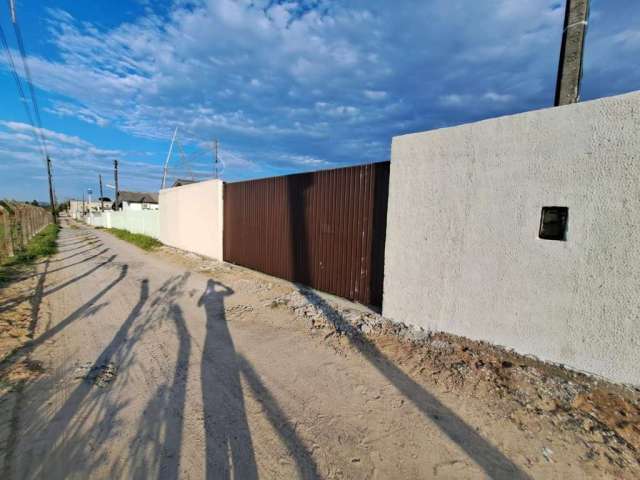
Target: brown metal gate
{"x": 324, "y": 229}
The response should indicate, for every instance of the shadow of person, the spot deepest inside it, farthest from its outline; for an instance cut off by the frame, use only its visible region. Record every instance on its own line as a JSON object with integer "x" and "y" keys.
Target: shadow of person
{"x": 229, "y": 450}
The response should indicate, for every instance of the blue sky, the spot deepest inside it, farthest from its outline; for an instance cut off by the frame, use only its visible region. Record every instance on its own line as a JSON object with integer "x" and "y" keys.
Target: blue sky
{"x": 284, "y": 85}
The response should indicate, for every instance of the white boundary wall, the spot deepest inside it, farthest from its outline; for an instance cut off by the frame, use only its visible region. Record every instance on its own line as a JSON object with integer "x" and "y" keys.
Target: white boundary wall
{"x": 191, "y": 217}
{"x": 462, "y": 250}
{"x": 146, "y": 222}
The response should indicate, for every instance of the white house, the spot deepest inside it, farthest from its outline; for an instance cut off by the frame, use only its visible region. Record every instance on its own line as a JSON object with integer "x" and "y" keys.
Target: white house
{"x": 137, "y": 201}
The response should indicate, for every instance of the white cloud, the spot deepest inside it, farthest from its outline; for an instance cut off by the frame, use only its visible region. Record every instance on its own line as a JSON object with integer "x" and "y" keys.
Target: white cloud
{"x": 498, "y": 98}
{"x": 305, "y": 160}
{"x": 281, "y": 82}
{"x": 375, "y": 94}
{"x": 49, "y": 135}
{"x": 76, "y": 162}
{"x": 66, "y": 109}
{"x": 629, "y": 38}
{"x": 454, "y": 100}
{"x": 337, "y": 110}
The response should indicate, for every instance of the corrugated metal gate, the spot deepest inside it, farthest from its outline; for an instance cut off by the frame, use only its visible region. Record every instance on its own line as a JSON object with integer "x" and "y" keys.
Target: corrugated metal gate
{"x": 324, "y": 229}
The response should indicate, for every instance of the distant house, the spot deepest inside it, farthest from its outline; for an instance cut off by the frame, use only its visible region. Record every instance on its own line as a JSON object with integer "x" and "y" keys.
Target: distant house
{"x": 180, "y": 182}
{"x": 78, "y": 208}
{"x": 137, "y": 201}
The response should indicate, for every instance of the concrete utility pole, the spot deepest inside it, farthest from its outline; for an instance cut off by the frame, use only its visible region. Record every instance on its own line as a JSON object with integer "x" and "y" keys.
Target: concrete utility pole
{"x": 572, "y": 52}
{"x": 115, "y": 176}
{"x": 83, "y": 206}
{"x": 52, "y": 200}
{"x": 101, "y": 194}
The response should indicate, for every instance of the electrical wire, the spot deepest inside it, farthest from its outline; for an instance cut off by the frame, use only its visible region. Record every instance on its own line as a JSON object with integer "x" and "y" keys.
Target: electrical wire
{"x": 21, "y": 93}
{"x": 184, "y": 162}
{"x": 32, "y": 92}
{"x": 37, "y": 126}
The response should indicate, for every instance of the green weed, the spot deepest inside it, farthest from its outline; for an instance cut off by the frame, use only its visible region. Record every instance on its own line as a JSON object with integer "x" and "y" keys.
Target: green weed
{"x": 42, "y": 245}
{"x": 143, "y": 241}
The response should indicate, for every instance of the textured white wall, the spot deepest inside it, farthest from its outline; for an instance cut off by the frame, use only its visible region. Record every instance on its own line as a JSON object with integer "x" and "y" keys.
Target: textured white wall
{"x": 191, "y": 218}
{"x": 463, "y": 254}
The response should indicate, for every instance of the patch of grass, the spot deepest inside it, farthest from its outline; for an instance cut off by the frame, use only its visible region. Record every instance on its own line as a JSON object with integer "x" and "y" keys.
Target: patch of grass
{"x": 42, "y": 245}
{"x": 143, "y": 241}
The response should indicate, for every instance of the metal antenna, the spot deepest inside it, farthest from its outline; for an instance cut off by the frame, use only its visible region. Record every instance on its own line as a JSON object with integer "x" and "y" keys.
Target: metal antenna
{"x": 215, "y": 146}
{"x": 12, "y": 7}
{"x": 183, "y": 160}
{"x": 166, "y": 162}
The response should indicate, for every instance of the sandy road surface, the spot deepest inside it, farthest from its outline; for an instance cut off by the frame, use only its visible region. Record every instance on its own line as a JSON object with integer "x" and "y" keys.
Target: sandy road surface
{"x": 155, "y": 371}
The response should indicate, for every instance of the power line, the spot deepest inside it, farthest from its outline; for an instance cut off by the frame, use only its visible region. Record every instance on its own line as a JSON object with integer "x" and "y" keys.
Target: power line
{"x": 23, "y": 97}
{"x": 183, "y": 160}
{"x": 27, "y": 71}
{"x": 37, "y": 127}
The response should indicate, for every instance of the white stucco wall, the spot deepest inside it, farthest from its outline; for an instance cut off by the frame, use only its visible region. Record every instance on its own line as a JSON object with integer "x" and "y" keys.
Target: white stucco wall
{"x": 191, "y": 217}
{"x": 146, "y": 222}
{"x": 463, "y": 254}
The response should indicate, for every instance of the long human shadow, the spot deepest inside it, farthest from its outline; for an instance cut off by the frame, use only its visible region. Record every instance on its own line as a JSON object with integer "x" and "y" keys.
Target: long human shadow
{"x": 82, "y": 252}
{"x": 495, "y": 464}
{"x": 75, "y": 315}
{"x": 177, "y": 392}
{"x": 36, "y": 299}
{"x": 17, "y": 300}
{"x": 305, "y": 464}
{"x": 162, "y": 423}
{"x": 80, "y": 262}
{"x": 159, "y": 433}
{"x": 71, "y": 416}
{"x": 94, "y": 242}
{"x": 78, "y": 240}
{"x": 228, "y": 444}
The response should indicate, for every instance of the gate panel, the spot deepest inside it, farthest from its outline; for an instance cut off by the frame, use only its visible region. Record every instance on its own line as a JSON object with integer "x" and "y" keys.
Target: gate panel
{"x": 324, "y": 229}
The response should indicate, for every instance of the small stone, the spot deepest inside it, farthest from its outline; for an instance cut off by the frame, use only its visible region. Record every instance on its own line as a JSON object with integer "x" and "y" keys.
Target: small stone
{"x": 547, "y": 405}
{"x": 587, "y": 425}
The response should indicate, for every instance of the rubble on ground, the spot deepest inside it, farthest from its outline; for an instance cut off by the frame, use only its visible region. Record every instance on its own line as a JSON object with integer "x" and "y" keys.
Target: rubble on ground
{"x": 200, "y": 262}
{"x": 607, "y": 416}
{"x": 526, "y": 391}
{"x": 99, "y": 375}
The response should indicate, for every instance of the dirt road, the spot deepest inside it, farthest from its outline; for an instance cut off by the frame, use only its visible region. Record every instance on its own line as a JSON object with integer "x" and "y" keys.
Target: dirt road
{"x": 154, "y": 370}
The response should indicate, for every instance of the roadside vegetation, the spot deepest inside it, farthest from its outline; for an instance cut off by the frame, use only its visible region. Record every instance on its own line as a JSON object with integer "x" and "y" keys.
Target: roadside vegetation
{"x": 145, "y": 242}
{"x": 42, "y": 245}
{"x": 20, "y": 297}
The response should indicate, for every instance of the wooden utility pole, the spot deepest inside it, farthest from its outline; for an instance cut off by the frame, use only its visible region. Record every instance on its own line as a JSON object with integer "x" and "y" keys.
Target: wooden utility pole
{"x": 101, "y": 195}
{"x": 572, "y": 52}
{"x": 115, "y": 176}
{"x": 52, "y": 200}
